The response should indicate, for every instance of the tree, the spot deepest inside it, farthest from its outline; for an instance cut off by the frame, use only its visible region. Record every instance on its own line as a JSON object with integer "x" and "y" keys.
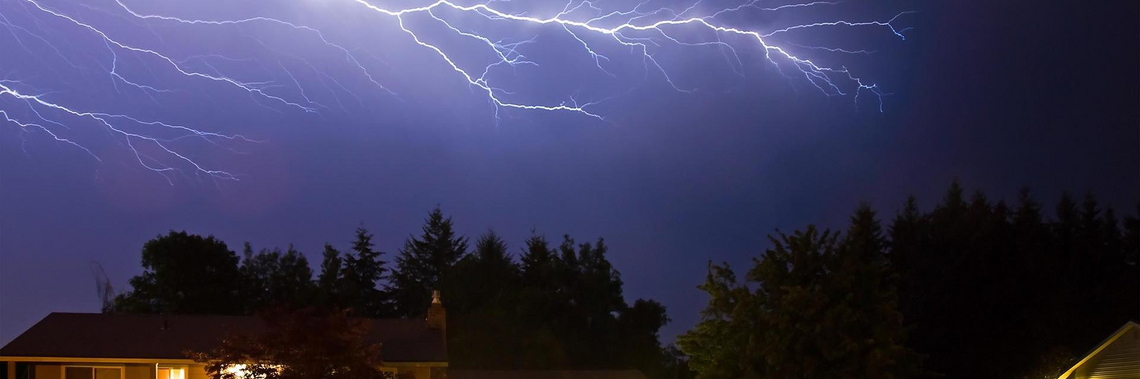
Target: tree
{"x": 329, "y": 282}
{"x": 557, "y": 308}
{"x": 638, "y": 342}
{"x": 185, "y": 273}
{"x": 482, "y": 304}
{"x": 723, "y": 345}
{"x": 361, "y": 274}
{"x": 977, "y": 271}
{"x": 306, "y": 343}
{"x": 540, "y": 306}
{"x": 487, "y": 278}
{"x": 423, "y": 262}
{"x": 819, "y": 309}
{"x": 274, "y": 279}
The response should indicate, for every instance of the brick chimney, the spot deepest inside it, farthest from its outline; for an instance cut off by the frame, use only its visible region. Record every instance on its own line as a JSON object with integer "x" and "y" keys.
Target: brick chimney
{"x": 436, "y": 315}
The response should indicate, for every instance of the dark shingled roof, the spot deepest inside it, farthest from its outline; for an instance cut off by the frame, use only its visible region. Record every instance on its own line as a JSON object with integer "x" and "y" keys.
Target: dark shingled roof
{"x": 544, "y": 374}
{"x": 96, "y": 335}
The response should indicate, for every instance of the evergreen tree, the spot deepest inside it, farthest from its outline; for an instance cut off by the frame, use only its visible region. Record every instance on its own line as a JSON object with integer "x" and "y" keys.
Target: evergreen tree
{"x": 540, "y": 306}
{"x": 537, "y": 260}
{"x": 362, "y": 274}
{"x": 423, "y": 262}
{"x": 329, "y": 281}
{"x": 482, "y": 305}
{"x": 971, "y": 272}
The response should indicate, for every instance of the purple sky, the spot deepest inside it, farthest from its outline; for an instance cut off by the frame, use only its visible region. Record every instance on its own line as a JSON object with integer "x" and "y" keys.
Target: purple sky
{"x": 997, "y": 94}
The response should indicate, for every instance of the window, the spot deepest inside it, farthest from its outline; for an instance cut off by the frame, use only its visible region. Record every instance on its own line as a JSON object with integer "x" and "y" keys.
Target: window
{"x": 171, "y": 373}
{"x": 74, "y": 372}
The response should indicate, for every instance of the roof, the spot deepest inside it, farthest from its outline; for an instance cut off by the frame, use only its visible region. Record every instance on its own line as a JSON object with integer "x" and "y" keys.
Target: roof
{"x": 544, "y": 374}
{"x": 1124, "y": 360}
{"x": 148, "y": 336}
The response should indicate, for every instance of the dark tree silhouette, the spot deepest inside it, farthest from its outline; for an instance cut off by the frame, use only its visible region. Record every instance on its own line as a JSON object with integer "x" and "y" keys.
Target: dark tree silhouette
{"x": 813, "y": 306}
{"x": 275, "y": 279}
{"x": 306, "y": 343}
{"x": 360, "y": 276}
{"x": 422, "y": 263}
{"x": 185, "y": 273}
{"x": 1037, "y": 291}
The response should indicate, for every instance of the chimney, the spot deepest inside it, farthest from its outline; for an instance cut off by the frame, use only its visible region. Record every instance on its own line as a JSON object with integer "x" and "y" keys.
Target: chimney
{"x": 436, "y": 315}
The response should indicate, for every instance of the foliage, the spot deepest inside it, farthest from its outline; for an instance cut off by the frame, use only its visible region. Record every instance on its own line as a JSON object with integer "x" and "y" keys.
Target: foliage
{"x": 423, "y": 262}
{"x": 306, "y": 343}
{"x": 983, "y": 289}
{"x": 812, "y": 307}
{"x": 557, "y": 309}
{"x": 363, "y": 271}
{"x": 553, "y": 308}
{"x": 971, "y": 270}
{"x": 276, "y": 279}
{"x": 185, "y": 273}
{"x": 1036, "y": 289}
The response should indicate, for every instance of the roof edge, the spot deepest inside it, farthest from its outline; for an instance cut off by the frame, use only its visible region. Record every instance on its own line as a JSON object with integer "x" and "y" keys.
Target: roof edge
{"x": 1100, "y": 347}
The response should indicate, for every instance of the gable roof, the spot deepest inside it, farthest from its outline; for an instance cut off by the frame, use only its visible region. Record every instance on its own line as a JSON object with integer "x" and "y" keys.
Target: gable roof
{"x": 1125, "y": 367}
{"x": 544, "y": 374}
{"x": 146, "y": 336}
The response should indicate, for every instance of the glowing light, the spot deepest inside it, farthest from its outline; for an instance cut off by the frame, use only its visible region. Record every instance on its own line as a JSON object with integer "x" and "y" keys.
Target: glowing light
{"x": 641, "y": 30}
{"x": 243, "y": 371}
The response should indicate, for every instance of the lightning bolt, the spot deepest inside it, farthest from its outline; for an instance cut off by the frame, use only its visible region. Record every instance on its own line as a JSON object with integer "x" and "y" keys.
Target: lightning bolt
{"x": 642, "y": 31}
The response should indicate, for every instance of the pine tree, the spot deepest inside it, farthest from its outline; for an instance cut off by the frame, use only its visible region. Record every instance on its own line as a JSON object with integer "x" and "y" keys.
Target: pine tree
{"x": 362, "y": 274}
{"x": 423, "y": 263}
{"x": 483, "y": 306}
{"x": 537, "y": 260}
{"x": 329, "y": 281}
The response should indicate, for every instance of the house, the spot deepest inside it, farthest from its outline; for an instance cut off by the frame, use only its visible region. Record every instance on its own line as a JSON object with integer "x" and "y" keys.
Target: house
{"x": 1116, "y": 357}
{"x": 140, "y": 346}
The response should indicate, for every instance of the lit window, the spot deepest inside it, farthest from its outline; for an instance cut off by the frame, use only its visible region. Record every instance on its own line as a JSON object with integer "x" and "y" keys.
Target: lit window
{"x": 171, "y": 373}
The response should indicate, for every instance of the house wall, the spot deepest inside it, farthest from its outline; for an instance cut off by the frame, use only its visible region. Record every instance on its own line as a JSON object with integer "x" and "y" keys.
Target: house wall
{"x": 147, "y": 371}
{"x": 196, "y": 372}
{"x": 417, "y": 372}
{"x": 130, "y": 371}
{"x": 48, "y": 372}
{"x": 1120, "y": 360}
{"x": 139, "y": 371}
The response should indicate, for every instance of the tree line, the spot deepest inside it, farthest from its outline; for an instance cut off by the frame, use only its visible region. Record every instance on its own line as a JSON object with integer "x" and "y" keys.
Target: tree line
{"x": 969, "y": 289}
{"x": 555, "y": 306}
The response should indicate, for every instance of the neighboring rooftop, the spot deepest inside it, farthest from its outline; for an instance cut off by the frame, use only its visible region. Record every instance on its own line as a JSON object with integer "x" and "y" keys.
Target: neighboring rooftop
{"x": 97, "y": 335}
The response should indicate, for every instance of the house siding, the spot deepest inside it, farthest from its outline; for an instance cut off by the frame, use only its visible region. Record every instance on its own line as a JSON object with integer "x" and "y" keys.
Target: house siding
{"x": 48, "y": 372}
{"x": 139, "y": 371}
{"x": 53, "y": 370}
{"x": 1119, "y": 360}
{"x": 196, "y": 372}
{"x": 418, "y": 372}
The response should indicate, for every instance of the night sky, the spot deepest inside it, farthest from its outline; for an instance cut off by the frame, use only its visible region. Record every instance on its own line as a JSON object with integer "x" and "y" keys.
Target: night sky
{"x": 997, "y": 94}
